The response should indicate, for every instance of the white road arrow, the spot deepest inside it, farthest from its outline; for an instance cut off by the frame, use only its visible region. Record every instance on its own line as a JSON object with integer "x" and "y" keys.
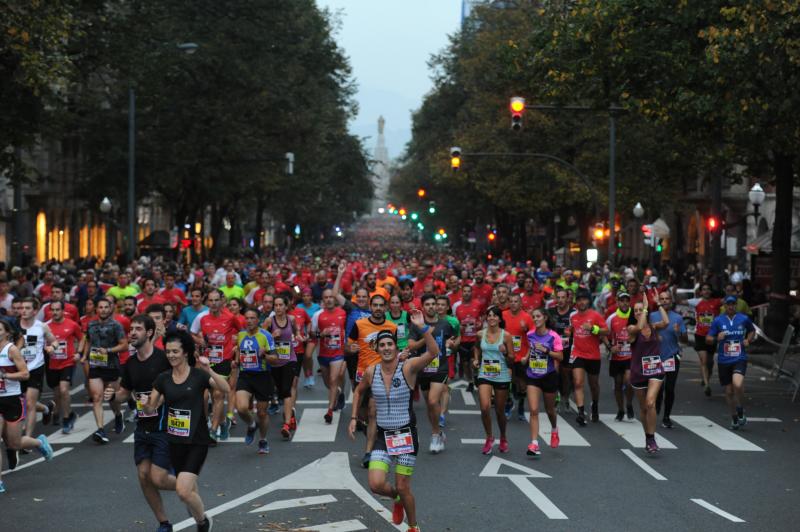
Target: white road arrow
{"x": 520, "y": 479}
{"x": 331, "y": 472}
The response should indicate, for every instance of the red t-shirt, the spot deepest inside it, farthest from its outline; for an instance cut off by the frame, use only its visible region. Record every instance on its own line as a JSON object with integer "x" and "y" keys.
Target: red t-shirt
{"x": 145, "y": 302}
{"x": 469, "y": 317}
{"x": 705, "y": 311}
{"x": 220, "y": 334}
{"x": 584, "y": 343}
{"x": 482, "y": 293}
{"x": 518, "y": 327}
{"x": 531, "y": 302}
{"x": 329, "y": 326}
{"x": 70, "y": 312}
{"x": 454, "y": 297}
{"x": 174, "y": 295}
{"x": 124, "y": 321}
{"x": 84, "y": 322}
{"x": 618, "y": 335}
{"x": 68, "y": 333}
{"x": 415, "y": 303}
{"x": 301, "y": 319}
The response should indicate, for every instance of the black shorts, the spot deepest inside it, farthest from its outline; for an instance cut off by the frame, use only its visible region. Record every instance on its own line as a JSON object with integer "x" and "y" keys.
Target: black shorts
{"x": 426, "y": 380}
{"x": 726, "y": 371}
{"x": 55, "y": 376}
{"x": 258, "y": 383}
{"x": 520, "y": 370}
{"x": 283, "y": 378}
{"x": 701, "y": 345}
{"x": 187, "y": 457}
{"x": 223, "y": 368}
{"x": 642, "y": 385}
{"x": 618, "y": 367}
{"x": 592, "y": 367}
{"x": 548, "y": 383}
{"x": 352, "y": 366}
{"x": 106, "y": 374}
{"x": 12, "y": 408}
{"x": 565, "y": 363}
{"x": 153, "y": 446}
{"x": 495, "y": 385}
{"x": 465, "y": 353}
{"x": 36, "y": 380}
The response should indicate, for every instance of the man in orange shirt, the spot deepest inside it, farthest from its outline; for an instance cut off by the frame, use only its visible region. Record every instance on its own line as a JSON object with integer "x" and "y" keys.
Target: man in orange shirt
{"x": 518, "y": 323}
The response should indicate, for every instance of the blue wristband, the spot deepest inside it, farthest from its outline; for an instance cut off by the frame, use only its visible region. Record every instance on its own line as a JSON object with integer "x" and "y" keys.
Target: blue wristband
{"x": 426, "y": 329}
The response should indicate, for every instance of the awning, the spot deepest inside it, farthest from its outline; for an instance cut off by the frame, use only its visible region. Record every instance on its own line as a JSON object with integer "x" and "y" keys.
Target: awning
{"x": 763, "y": 243}
{"x": 660, "y": 228}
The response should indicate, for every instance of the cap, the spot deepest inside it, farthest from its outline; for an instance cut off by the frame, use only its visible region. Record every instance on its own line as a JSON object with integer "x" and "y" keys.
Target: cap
{"x": 620, "y": 295}
{"x": 383, "y": 335}
{"x": 730, "y": 299}
{"x": 306, "y": 291}
{"x": 582, "y": 292}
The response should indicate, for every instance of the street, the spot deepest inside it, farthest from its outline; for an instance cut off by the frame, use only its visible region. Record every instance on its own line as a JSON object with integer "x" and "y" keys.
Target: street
{"x": 705, "y": 478}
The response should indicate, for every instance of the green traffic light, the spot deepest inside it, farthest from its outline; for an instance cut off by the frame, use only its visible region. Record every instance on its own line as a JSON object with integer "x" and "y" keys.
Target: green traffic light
{"x": 414, "y": 216}
{"x": 658, "y": 248}
{"x": 619, "y": 244}
{"x": 432, "y": 210}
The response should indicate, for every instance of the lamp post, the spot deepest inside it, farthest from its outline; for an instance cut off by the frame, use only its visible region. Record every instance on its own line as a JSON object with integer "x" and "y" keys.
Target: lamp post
{"x": 105, "y": 208}
{"x": 756, "y": 196}
{"x": 638, "y": 212}
{"x": 188, "y": 48}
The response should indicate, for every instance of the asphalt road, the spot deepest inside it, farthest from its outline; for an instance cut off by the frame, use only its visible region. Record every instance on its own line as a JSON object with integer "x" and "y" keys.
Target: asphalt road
{"x": 713, "y": 479}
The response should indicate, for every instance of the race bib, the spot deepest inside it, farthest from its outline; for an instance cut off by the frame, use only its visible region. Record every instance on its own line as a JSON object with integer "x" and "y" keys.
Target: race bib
{"x": 706, "y": 318}
{"x": 537, "y": 365}
{"x": 401, "y": 330}
{"x": 249, "y": 359}
{"x": 624, "y": 350}
{"x": 214, "y": 354}
{"x": 651, "y": 365}
{"x": 98, "y": 359}
{"x": 359, "y": 376}
{"x": 469, "y": 328}
{"x": 61, "y": 352}
{"x": 399, "y": 441}
{"x": 433, "y": 367}
{"x": 179, "y": 422}
{"x": 516, "y": 342}
{"x": 139, "y": 408}
{"x": 333, "y": 341}
{"x": 491, "y": 368}
{"x": 29, "y": 354}
{"x": 284, "y": 350}
{"x": 732, "y": 349}
{"x": 669, "y": 365}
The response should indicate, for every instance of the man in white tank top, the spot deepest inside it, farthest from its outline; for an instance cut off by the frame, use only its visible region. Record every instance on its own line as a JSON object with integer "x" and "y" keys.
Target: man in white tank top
{"x": 36, "y": 340}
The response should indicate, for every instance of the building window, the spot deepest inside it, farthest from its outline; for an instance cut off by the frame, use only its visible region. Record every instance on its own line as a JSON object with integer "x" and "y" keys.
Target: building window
{"x": 41, "y": 237}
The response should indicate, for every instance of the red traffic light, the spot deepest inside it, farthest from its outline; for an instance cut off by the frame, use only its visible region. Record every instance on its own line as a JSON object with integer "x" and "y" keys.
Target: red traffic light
{"x": 646, "y": 230}
{"x": 186, "y": 243}
{"x": 712, "y": 223}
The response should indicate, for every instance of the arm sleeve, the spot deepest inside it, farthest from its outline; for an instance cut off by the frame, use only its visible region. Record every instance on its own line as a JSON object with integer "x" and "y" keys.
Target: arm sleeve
{"x": 126, "y": 378}
{"x": 354, "y": 332}
{"x": 558, "y": 345}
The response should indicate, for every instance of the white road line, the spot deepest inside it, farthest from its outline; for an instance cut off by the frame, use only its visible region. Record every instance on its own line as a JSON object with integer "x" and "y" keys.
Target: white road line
{"x": 231, "y": 439}
{"x": 763, "y": 419}
{"x": 312, "y": 401}
{"x": 295, "y": 503}
{"x": 338, "y": 526}
{"x": 37, "y": 461}
{"x": 77, "y": 389}
{"x": 715, "y": 434}
{"x": 84, "y": 427}
{"x": 632, "y": 432}
{"x": 468, "y": 398}
{"x": 641, "y": 463}
{"x": 312, "y": 426}
{"x": 537, "y": 497}
{"x": 464, "y": 412}
{"x": 477, "y": 441}
{"x": 710, "y": 507}
{"x": 567, "y": 435}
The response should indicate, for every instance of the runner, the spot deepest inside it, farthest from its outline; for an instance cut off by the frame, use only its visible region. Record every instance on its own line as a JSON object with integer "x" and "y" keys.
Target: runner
{"x": 559, "y": 320}
{"x": 285, "y": 369}
{"x": 469, "y": 315}
{"x": 647, "y": 371}
{"x": 189, "y": 313}
{"x": 619, "y": 346}
{"x": 61, "y": 365}
{"x": 587, "y": 327}
{"x": 150, "y": 443}
{"x": 706, "y": 310}
{"x": 493, "y": 356}
{"x": 255, "y": 347}
{"x": 391, "y": 383}
{"x": 481, "y": 290}
{"x": 670, "y": 334}
{"x": 542, "y": 377}
{"x": 399, "y": 317}
{"x": 443, "y": 311}
{"x": 12, "y": 404}
{"x": 182, "y": 390}
{"x": 149, "y": 296}
{"x": 518, "y": 323}
{"x": 355, "y": 311}
{"x": 105, "y": 341}
{"x": 302, "y": 321}
{"x": 733, "y": 332}
{"x": 327, "y": 331}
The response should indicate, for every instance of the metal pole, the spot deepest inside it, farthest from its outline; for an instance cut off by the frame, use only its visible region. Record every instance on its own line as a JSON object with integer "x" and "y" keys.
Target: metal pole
{"x": 612, "y": 185}
{"x": 715, "y": 238}
{"x": 131, "y": 248}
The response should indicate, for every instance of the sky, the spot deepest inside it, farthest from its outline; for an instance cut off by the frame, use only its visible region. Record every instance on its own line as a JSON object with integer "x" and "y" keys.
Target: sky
{"x": 389, "y": 44}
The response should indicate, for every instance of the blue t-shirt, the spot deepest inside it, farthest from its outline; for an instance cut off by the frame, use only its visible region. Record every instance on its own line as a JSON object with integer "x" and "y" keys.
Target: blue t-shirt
{"x": 313, "y": 309}
{"x": 188, "y": 314}
{"x": 731, "y": 349}
{"x": 669, "y": 338}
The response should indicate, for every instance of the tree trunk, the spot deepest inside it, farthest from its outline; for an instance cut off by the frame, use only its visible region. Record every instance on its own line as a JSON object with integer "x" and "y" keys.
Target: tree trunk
{"x": 778, "y": 312}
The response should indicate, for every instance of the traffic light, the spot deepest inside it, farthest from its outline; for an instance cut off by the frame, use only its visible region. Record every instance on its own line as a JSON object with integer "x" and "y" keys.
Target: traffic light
{"x": 414, "y": 216}
{"x": 421, "y": 192}
{"x": 402, "y": 211}
{"x": 432, "y": 207}
{"x": 455, "y": 158}
{"x": 712, "y": 224}
{"x": 491, "y": 237}
{"x": 517, "y": 106}
{"x": 599, "y": 231}
{"x": 647, "y": 231}
{"x": 659, "y": 248}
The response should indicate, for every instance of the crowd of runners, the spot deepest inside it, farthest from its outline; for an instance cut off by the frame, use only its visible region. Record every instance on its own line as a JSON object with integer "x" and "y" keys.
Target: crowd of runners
{"x": 193, "y": 350}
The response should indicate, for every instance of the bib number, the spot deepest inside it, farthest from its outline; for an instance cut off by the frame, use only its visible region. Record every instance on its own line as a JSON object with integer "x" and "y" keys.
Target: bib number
{"x": 333, "y": 341}
{"x": 624, "y": 350}
{"x": 98, "y": 359}
{"x": 469, "y": 328}
{"x": 61, "y": 352}
{"x": 139, "y": 408}
{"x": 284, "y": 350}
{"x": 399, "y": 441}
{"x": 179, "y": 422}
{"x": 214, "y": 354}
{"x": 651, "y": 365}
{"x": 491, "y": 368}
{"x": 732, "y": 349}
{"x": 249, "y": 359}
{"x": 29, "y": 354}
{"x": 401, "y": 330}
{"x": 538, "y": 366}
{"x": 516, "y": 342}
{"x": 669, "y": 365}
{"x": 433, "y": 367}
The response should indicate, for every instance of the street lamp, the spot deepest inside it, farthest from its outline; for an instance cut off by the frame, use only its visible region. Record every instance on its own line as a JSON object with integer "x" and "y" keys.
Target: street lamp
{"x": 756, "y": 196}
{"x": 105, "y": 205}
{"x": 638, "y": 210}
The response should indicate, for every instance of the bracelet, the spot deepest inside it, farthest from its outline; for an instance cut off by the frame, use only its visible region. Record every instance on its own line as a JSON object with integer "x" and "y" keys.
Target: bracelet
{"x": 353, "y": 419}
{"x": 595, "y": 329}
{"x": 426, "y": 329}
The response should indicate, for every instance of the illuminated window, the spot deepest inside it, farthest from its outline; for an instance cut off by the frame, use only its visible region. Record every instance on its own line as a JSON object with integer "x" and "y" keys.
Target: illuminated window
{"x": 41, "y": 237}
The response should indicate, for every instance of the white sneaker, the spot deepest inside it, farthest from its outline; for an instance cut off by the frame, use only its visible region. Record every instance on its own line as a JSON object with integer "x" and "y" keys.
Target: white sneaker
{"x": 434, "y": 447}
{"x": 442, "y": 440}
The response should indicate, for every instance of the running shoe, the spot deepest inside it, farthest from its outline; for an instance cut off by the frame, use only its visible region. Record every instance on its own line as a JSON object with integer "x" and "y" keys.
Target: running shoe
{"x": 119, "y": 424}
{"x": 666, "y": 423}
{"x": 533, "y": 449}
{"x": 305, "y": 383}
{"x": 735, "y": 424}
{"x": 293, "y": 422}
{"x": 286, "y": 431}
{"x": 595, "y": 414}
{"x": 441, "y": 421}
{"x": 263, "y": 447}
{"x": 442, "y": 440}
{"x": 487, "y": 446}
{"x": 47, "y": 416}
{"x": 2, "y": 487}
{"x": 434, "y": 447}
{"x": 13, "y": 458}
{"x": 131, "y": 416}
{"x": 521, "y": 416}
{"x": 620, "y": 415}
{"x": 225, "y": 430}
{"x": 250, "y": 437}
{"x": 365, "y": 460}
{"x": 206, "y": 525}
{"x": 555, "y": 440}
{"x": 509, "y": 407}
{"x": 629, "y": 412}
{"x": 311, "y": 381}
{"x": 214, "y": 438}
{"x": 73, "y": 417}
{"x": 339, "y": 401}
{"x": 397, "y": 511}
{"x": 100, "y": 436}
{"x": 273, "y": 409}
{"x": 503, "y": 445}
{"x": 165, "y": 527}
{"x": 580, "y": 420}
{"x": 328, "y": 417}
{"x": 414, "y": 528}
{"x": 45, "y": 448}
{"x": 650, "y": 445}
{"x": 707, "y": 390}
{"x": 742, "y": 421}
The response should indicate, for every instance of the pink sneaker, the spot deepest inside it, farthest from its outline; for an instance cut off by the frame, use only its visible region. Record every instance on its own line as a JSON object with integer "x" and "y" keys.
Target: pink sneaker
{"x": 503, "y": 445}
{"x": 487, "y": 446}
{"x": 533, "y": 449}
{"x": 554, "y": 439}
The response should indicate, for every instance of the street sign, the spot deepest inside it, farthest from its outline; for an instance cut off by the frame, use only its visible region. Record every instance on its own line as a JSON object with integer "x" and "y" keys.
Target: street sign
{"x": 520, "y": 478}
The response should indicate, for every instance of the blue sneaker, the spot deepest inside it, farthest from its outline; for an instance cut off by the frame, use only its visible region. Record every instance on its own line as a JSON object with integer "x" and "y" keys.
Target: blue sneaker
{"x": 251, "y": 434}
{"x": 263, "y": 447}
{"x": 509, "y": 408}
{"x": 441, "y": 421}
{"x": 225, "y": 430}
{"x": 2, "y": 487}
{"x": 45, "y": 448}
{"x": 273, "y": 409}
{"x": 165, "y": 527}
{"x": 119, "y": 423}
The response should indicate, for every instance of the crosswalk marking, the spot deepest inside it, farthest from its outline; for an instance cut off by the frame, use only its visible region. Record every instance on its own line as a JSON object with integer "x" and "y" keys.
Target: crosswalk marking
{"x": 641, "y": 463}
{"x": 468, "y": 398}
{"x": 633, "y": 432}
{"x": 37, "y": 461}
{"x": 84, "y": 427}
{"x": 312, "y": 426}
{"x": 295, "y": 503}
{"x": 715, "y": 434}
{"x": 567, "y": 434}
{"x": 338, "y": 526}
{"x": 708, "y": 506}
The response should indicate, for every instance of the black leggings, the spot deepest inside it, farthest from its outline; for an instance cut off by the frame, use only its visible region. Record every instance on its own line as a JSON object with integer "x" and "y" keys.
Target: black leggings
{"x": 188, "y": 457}
{"x": 667, "y": 392}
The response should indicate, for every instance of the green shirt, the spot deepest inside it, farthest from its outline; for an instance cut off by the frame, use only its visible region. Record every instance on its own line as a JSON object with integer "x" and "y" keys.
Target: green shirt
{"x": 117, "y": 292}
{"x": 232, "y": 292}
{"x": 402, "y": 329}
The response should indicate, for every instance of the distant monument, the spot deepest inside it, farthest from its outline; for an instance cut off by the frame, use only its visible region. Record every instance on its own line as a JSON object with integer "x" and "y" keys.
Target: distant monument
{"x": 380, "y": 169}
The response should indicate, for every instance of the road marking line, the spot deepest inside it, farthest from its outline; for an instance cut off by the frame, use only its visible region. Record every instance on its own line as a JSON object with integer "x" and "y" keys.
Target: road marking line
{"x": 37, "y": 461}
{"x": 722, "y": 513}
{"x": 641, "y": 463}
{"x": 568, "y": 436}
{"x": 537, "y": 497}
{"x": 468, "y": 398}
{"x": 715, "y": 434}
{"x": 312, "y": 427}
{"x": 477, "y": 441}
{"x": 78, "y": 388}
{"x": 338, "y": 526}
{"x": 632, "y": 432}
{"x": 231, "y": 439}
{"x": 464, "y": 412}
{"x": 295, "y": 503}
{"x": 312, "y": 402}
{"x": 763, "y": 419}
{"x": 84, "y": 428}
